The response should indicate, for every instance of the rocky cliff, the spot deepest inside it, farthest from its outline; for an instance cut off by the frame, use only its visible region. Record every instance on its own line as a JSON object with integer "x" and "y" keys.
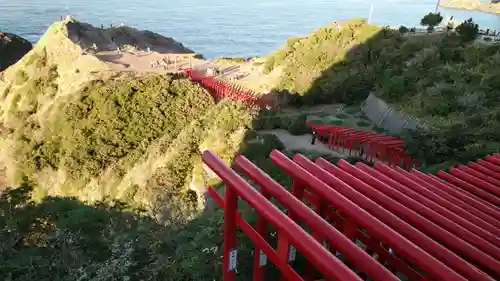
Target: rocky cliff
{"x": 473, "y": 5}
{"x": 12, "y": 49}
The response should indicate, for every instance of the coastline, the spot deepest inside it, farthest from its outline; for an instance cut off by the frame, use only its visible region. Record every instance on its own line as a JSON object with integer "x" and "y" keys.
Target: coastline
{"x": 471, "y": 5}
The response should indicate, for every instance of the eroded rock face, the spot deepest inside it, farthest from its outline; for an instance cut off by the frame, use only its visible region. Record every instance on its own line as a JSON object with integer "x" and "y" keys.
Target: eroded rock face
{"x": 491, "y": 6}
{"x": 12, "y": 49}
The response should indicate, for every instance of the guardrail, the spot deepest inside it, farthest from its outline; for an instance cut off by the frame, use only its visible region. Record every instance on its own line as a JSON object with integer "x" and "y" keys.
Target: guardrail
{"x": 383, "y": 221}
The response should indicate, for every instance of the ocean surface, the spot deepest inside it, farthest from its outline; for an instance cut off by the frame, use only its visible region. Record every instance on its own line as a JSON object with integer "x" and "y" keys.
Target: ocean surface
{"x": 222, "y": 27}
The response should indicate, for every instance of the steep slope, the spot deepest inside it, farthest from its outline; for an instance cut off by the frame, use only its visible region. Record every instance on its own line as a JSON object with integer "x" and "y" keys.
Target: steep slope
{"x": 74, "y": 127}
{"x": 332, "y": 64}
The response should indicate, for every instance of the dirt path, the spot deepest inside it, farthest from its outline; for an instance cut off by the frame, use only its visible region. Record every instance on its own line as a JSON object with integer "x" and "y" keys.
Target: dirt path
{"x": 302, "y": 142}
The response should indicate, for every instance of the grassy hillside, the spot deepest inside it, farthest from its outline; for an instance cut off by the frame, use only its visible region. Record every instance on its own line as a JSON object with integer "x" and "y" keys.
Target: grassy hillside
{"x": 75, "y": 128}
{"x": 60, "y": 238}
{"x": 110, "y": 168}
{"x": 452, "y": 84}
{"x": 320, "y": 67}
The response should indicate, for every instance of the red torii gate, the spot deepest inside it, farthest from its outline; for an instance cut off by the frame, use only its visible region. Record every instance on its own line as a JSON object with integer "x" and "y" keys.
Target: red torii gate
{"x": 410, "y": 223}
{"x": 220, "y": 89}
{"x": 382, "y": 147}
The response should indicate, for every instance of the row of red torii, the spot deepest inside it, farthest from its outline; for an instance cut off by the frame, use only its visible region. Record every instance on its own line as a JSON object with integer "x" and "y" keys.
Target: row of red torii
{"x": 361, "y": 223}
{"x": 370, "y": 145}
{"x": 382, "y": 223}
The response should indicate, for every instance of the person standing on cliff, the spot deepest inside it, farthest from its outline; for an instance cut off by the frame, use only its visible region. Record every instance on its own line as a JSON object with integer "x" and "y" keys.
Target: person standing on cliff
{"x": 313, "y": 141}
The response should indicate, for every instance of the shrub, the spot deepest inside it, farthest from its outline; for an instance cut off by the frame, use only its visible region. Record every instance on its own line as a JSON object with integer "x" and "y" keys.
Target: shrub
{"x": 335, "y": 122}
{"x": 297, "y": 125}
{"x": 403, "y": 29}
{"x": 431, "y": 20}
{"x": 230, "y": 60}
{"x": 468, "y": 30}
{"x": 65, "y": 239}
{"x": 342, "y": 116}
{"x": 378, "y": 129}
{"x": 110, "y": 127}
{"x": 102, "y": 129}
{"x": 363, "y": 124}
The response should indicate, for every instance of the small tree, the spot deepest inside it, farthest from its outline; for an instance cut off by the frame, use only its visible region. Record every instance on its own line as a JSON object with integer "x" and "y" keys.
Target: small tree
{"x": 468, "y": 30}
{"x": 431, "y": 20}
{"x": 403, "y": 29}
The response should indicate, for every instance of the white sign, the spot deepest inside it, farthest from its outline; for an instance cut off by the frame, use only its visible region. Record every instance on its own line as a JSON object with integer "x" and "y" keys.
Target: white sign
{"x": 233, "y": 256}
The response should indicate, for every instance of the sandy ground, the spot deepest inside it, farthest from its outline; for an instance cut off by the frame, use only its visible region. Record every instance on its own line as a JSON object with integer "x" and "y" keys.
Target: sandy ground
{"x": 302, "y": 142}
{"x": 142, "y": 61}
{"x": 128, "y": 49}
{"x": 246, "y": 74}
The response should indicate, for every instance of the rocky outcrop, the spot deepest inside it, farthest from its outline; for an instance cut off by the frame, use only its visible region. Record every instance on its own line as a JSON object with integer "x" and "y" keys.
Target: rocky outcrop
{"x": 12, "y": 49}
{"x": 104, "y": 39}
{"x": 473, "y": 5}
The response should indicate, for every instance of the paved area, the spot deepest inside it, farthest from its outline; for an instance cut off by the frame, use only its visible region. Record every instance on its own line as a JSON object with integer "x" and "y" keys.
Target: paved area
{"x": 302, "y": 142}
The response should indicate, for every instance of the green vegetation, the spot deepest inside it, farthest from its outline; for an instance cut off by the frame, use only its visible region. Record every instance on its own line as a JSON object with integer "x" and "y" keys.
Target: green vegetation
{"x": 132, "y": 146}
{"x": 442, "y": 78}
{"x": 271, "y": 119}
{"x": 109, "y": 128}
{"x": 230, "y": 60}
{"x": 431, "y": 20}
{"x": 65, "y": 239}
{"x": 363, "y": 123}
{"x": 335, "y": 122}
{"x": 114, "y": 122}
{"x": 378, "y": 129}
{"x": 468, "y": 30}
{"x": 403, "y": 29}
{"x": 137, "y": 139}
{"x": 334, "y": 65}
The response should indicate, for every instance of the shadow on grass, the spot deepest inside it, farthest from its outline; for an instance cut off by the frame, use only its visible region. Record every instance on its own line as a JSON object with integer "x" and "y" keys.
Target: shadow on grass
{"x": 65, "y": 239}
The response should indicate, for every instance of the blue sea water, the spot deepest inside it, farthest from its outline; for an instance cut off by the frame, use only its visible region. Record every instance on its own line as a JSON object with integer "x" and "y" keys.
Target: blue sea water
{"x": 222, "y": 27}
